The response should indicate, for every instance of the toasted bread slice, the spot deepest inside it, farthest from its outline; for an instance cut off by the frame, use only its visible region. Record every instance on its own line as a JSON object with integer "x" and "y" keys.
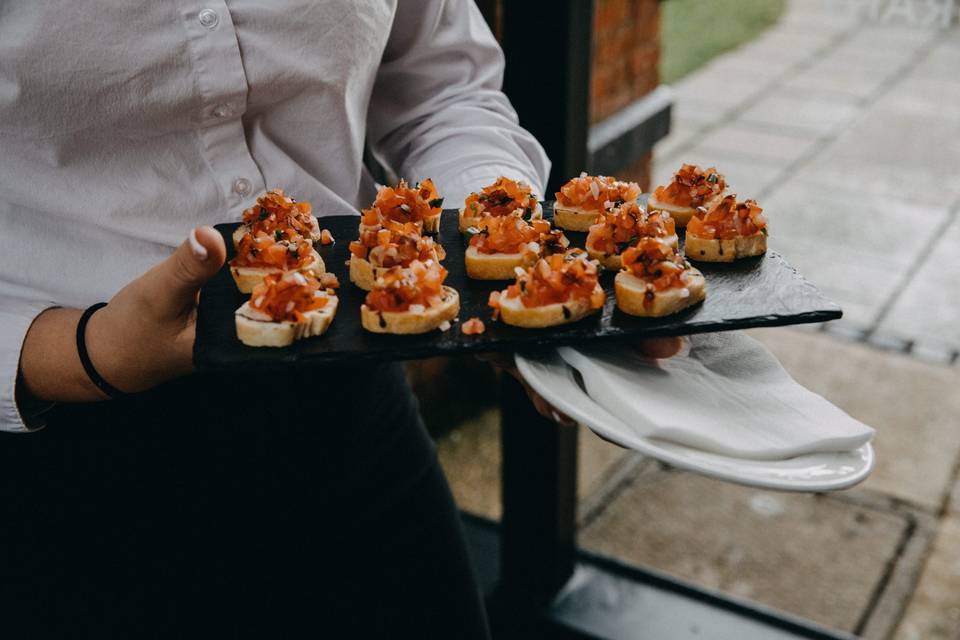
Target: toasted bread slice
{"x": 404, "y": 322}
{"x": 631, "y": 293}
{"x": 681, "y": 215}
{"x": 249, "y": 277}
{"x": 495, "y": 266}
{"x": 574, "y": 218}
{"x": 512, "y": 311}
{"x": 363, "y": 273}
{"x": 467, "y": 221}
{"x": 612, "y": 260}
{"x": 720, "y": 250}
{"x": 257, "y": 329}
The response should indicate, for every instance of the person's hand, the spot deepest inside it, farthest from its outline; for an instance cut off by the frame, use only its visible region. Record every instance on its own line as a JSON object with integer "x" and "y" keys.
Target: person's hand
{"x": 651, "y": 348}
{"x": 143, "y": 337}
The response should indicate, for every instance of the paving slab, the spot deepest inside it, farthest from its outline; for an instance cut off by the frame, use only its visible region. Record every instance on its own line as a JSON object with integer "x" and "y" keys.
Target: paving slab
{"x": 867, "y": 224}
{"x": 894, "y": 154}
{"x": 861, "y": 283}
{"x": 788, "y": 110}
{"x": 882, "y": 45}
{"x": 784, "y": 48}
{"x": 683, "y": 133}
{"x": 810, "y": 555}
{"x": 737, "y": 64}
{"x": 838, "y": 77}
{"x": 925, "y": 98}
{"x": 721, "y": 91}
{"x": 954, "y": 507}
{"x": 934, "y": 609}
{"x": 930, "y": 303}
{"x": 470, "y": 456}
{"x": 742, "y": 141}
{"x": 912, "y": 405}
{"x": 818, "y": 15}
{"x": 696, "y": 112}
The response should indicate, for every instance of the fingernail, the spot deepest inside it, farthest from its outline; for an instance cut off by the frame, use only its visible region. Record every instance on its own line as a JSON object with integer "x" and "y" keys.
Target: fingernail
{"x": 198, "y": 249}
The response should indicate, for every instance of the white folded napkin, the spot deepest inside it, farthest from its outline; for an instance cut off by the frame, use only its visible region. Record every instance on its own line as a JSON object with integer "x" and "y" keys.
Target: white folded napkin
{"x": 727, "y": 395}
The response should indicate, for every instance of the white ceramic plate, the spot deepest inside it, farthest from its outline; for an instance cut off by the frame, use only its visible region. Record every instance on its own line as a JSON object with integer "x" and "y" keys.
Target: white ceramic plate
{"x": 553, "y": 379}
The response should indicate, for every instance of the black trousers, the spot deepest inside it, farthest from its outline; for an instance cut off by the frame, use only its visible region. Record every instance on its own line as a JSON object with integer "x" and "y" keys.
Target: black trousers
{"x": 296, "y": 505}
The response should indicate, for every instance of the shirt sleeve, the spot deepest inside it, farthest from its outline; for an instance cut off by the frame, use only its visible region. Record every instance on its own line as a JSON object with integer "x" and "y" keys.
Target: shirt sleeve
{"x": 437, "y": 108}
{"x": 16, "y": 316}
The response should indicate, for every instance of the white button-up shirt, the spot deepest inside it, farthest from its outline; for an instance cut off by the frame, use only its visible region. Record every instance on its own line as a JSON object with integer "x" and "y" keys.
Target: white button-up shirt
{"x": 125, "y": 124}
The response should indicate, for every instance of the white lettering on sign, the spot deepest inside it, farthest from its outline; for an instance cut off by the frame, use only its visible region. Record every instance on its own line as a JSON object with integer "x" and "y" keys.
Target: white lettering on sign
{"x": 918, "y": 13}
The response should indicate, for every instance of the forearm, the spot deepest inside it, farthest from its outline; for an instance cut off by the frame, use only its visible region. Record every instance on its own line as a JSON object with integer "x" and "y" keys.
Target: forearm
{"x": 50, "y": 368}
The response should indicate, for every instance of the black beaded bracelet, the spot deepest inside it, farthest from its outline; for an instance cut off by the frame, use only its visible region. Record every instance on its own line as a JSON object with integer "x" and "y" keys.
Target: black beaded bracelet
{"x": 95, "y": 377}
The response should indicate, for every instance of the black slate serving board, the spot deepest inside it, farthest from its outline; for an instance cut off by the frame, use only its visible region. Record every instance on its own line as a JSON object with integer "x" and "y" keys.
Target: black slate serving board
{"x": 757, "y": 292}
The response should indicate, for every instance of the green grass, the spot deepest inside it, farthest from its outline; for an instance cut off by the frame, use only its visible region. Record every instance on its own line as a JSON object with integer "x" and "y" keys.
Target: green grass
{"x": 694, "y": 31}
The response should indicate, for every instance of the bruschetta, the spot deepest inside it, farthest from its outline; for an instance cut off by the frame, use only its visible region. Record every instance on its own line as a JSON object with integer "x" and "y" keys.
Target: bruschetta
{"x": 622, "y": 227}
{"x": 502, "y": 243}
{"x": 558, "y": 289}
{"x": 727, "y": 231}
{"x": 410, "y": 300}
{"x": 388, "y": 244}
{"x": 582, "y": 199}
{"x": 274, "y": 212}
{"x": 656, "y": 281}
{"x": 260, "y": 255}
{"x": 420, "y": 204}
{"x": 502, "y": 198}
{"x": 284, "y": 308}
{"x": 691, "y": 187}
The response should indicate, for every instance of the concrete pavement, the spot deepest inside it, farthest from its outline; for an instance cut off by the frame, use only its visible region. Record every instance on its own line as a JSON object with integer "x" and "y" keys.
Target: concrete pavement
{"x": 848, "y": 134}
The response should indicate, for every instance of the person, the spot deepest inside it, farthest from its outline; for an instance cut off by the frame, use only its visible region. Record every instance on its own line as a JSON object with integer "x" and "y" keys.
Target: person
{"x": 230, "y": 503}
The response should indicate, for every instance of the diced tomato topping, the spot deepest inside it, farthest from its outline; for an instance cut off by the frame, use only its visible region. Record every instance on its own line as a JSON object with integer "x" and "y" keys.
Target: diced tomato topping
{"x": 596, "y": 193}
{"x": 404, "y": 204}
{"x": 388, "y": 244}
{"x": 692, "y": 186}
{"x": 728, "y": 219}
{"x": 326, "y": 238}
{"x": 501, "y": 198}
{"x": 624, "y": 225}
{"x": 655, "y": 262}
{"x": 397, "y": 289}
{"x": 472, "y": 327}
{"x": 513, "y": 234}
{"x": 275, "y": 212}
{"x": 556, "y": 278}
{"x": 288, "y": 296}
{"x": 262, "y": 250}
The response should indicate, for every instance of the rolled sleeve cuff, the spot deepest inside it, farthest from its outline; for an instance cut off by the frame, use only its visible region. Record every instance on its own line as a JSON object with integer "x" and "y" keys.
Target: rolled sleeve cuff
{"x": 15, "y": 320}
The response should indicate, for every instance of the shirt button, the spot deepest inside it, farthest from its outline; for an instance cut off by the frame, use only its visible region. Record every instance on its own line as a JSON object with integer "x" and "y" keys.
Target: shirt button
{"x": 208, "y": 18}
{"x": 241, "y": 186}
{"x": 222, "y": 110}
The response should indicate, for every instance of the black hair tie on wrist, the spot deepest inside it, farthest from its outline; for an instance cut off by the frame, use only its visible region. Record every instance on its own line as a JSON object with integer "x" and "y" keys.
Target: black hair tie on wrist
{"x": 95, "y": 377}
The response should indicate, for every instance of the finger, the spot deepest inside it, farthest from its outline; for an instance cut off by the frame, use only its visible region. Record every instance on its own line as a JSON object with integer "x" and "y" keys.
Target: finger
{"x": 660, "y": 347}
{"x": 543, "y": 407}
{"x": 178, "y": 278}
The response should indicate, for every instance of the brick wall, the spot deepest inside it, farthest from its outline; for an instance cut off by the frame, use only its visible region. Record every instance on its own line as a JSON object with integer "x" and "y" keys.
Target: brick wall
{"x": 626, "y": 54}
{"x": 626, "y": 51}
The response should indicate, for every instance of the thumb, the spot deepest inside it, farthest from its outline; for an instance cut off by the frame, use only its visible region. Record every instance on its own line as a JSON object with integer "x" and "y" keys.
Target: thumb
{"x": 194, "y": 262}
